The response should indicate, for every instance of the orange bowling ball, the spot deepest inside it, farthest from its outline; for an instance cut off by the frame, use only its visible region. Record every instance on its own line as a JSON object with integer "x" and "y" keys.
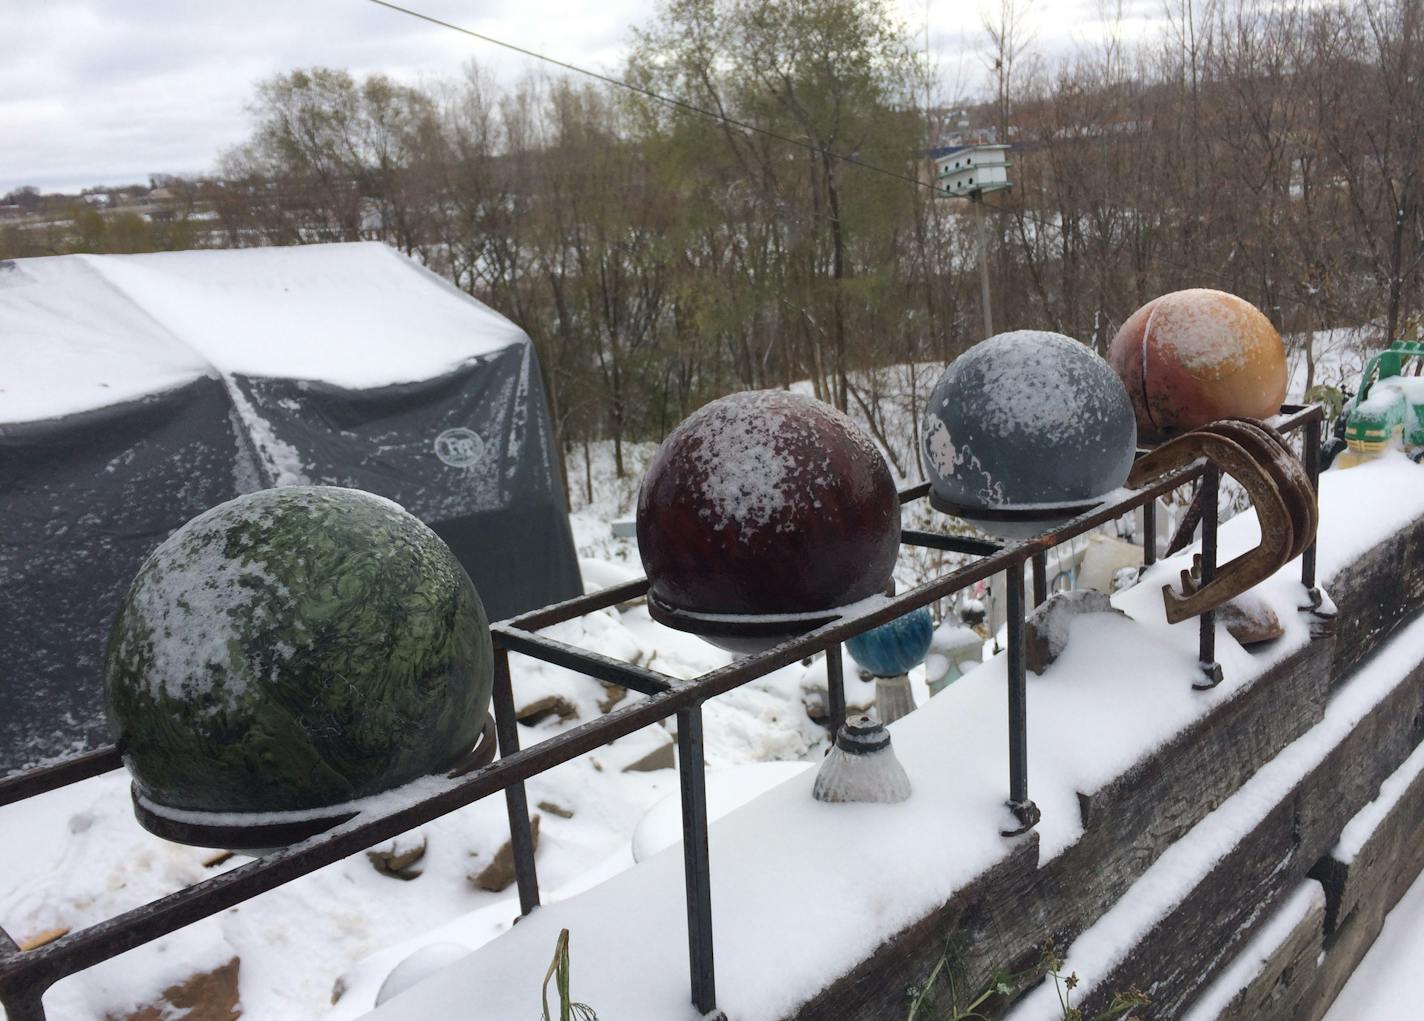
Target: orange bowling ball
{"x": 1192, "y": 357}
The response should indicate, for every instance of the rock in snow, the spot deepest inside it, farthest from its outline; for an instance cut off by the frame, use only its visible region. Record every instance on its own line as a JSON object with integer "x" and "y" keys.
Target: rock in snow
{"x": 1046, "y": 635}
{"x": 499, "y": 874}
{"x": 1250, "y": 621}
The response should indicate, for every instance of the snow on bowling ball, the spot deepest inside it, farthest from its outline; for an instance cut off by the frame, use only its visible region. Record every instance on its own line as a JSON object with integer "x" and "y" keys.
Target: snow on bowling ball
{"x": 767, "y": 502}
{"x": 1024, "y": 431}
{"x": 293, "y": 649}
{"x": 894, "y": 648}
{"x": 1192, "y": 357}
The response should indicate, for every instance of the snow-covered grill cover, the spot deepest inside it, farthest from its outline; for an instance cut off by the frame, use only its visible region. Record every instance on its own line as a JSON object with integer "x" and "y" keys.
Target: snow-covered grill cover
{"x": 138, "y": 391}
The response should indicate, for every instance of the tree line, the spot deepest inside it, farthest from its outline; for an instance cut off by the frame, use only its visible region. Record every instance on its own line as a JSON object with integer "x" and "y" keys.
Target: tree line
{"x": 661, "y": 254}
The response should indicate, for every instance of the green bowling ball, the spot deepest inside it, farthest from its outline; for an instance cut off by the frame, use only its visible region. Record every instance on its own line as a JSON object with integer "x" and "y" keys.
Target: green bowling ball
{"x": 293, "y": 649}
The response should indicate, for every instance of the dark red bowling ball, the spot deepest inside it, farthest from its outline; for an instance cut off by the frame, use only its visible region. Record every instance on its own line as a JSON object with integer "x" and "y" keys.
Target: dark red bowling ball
{"x": 767, "y": 502}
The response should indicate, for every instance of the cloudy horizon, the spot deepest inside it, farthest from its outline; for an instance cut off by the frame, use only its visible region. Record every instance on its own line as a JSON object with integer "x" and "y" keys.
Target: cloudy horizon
{"x": 103, "y": 92}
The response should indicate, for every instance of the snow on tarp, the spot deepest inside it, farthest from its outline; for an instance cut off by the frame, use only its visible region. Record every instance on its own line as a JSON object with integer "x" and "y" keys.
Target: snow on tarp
{"x": 87, "y": 331}
{"x": 773, "y": 861}
{"x": 326, "y": 312}
{"x": 70, "y": 342}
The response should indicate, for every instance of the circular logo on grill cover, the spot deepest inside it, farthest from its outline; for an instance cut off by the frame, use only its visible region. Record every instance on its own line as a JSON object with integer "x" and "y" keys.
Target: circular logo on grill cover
{"x": 459, "y": 447}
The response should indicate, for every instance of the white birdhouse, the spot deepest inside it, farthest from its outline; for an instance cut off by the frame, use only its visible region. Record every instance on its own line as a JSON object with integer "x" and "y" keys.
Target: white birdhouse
{"x": 974, "y": 168}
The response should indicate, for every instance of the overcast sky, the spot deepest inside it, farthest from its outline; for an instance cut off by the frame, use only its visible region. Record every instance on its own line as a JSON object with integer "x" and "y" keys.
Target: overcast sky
{"x": 110, "y": 91}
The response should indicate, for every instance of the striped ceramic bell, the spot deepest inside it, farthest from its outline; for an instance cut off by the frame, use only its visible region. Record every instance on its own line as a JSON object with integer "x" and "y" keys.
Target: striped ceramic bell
{"x": 862, "y": 766}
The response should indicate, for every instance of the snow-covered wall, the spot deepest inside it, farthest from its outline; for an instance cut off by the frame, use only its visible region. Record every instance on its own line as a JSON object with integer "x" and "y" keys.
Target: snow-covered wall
{"x": 1174, "y": 820}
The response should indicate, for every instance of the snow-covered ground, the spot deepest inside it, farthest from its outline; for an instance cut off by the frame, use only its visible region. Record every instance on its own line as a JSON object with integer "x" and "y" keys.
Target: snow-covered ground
{"x": 1340, "y": 356}
{"x": 85, "y": 859}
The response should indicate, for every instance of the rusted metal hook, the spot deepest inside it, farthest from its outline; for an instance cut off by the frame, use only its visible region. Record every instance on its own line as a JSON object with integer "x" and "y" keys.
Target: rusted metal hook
{"x": 1257, "y": 457}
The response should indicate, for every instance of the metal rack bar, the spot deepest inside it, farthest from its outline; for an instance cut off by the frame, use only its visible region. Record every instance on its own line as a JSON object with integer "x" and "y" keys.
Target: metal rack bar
{"x": 99, "y": 942}
{"x": 61, "y": 774}
{"x": 1149, "y": 533}
{"x": 593, "y": 664}
{"x": 950, "y": 543}
{"x": 25, "y": 975}
{"x": 912, "y": 493}
{"x": 1311, "y": 443}
{"x": 1019, "y": 803}
{"x": 579, "y": 605}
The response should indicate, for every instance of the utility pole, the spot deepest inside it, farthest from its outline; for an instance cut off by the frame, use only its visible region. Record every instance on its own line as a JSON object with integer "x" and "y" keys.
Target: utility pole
{"x": 983, "y": 231}
{"x": 971, "y": 172}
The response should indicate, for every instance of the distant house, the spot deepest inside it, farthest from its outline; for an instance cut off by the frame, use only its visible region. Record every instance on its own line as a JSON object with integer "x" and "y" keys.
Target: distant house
{"x": 967, "y": 169}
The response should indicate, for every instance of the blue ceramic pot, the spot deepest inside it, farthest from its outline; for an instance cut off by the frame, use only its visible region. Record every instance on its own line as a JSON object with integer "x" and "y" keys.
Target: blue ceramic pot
{"x": 894, "y": 648}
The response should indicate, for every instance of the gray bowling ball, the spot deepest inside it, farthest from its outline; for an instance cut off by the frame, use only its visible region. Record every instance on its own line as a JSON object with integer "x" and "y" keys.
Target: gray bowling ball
{"x": 1025, "y": 431}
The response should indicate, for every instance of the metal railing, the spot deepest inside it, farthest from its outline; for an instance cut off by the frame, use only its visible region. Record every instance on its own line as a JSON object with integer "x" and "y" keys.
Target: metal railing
{"x": 26, "y": 974}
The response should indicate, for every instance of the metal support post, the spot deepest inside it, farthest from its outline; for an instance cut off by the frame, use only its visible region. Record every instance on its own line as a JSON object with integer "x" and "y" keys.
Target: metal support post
{"x": 25, "y": 1006}
{"x": 1311, "y": 443}
{"x": 1149, "y": 533}
{"x": 1040, "y": 579}
{"x": 24, "y": 1000}
{"x": 835, "y": 688}
{"x": 521, "y": 834}
{"x": 1210, "y": 668}
{"x": 1025, "y": 811}
{"x": 697, "y": 871}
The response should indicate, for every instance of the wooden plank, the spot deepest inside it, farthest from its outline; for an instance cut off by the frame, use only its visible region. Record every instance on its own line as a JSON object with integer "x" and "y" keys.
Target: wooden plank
{"x": 1385, "y": 866}
{"x": 1360, "y": 892}
{"x": 968, "y": 929}
{"x": 1345, "y": 948}
{"x": 1194, "y": 941}
{"x": 1129, "y": 823}
{"x": 1188, "y": 947}
{"x": 1286, "y": 969}
{"x": 1376, "y": 595}
{"x": 1375, "y": 748}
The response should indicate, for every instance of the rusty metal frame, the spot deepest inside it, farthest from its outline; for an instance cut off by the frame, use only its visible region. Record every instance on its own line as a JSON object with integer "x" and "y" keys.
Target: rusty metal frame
{"x": 26, "y": 975}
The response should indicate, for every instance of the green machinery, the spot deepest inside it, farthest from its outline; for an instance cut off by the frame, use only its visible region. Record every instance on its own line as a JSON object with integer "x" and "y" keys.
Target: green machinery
{"x": 1389, "y": 405}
